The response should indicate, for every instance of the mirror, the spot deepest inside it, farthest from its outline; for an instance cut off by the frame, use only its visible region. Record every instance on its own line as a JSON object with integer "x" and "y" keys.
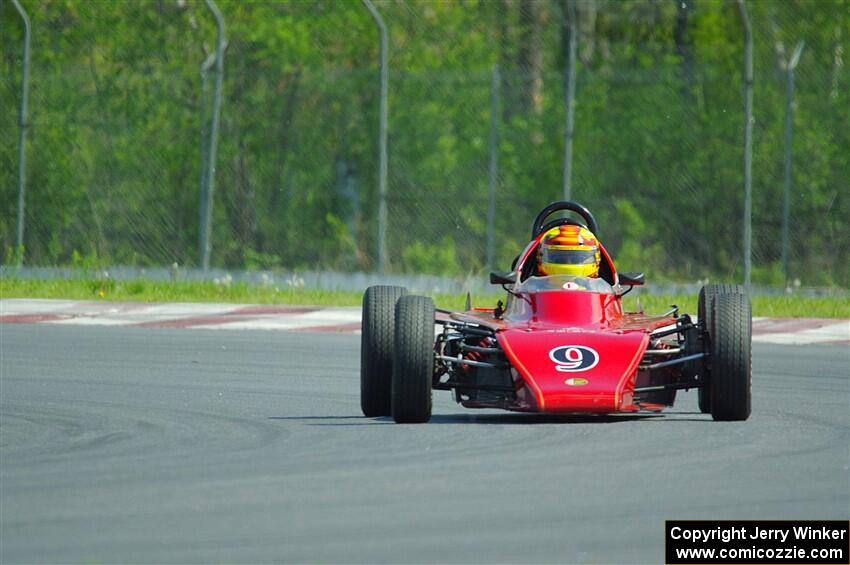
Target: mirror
{"x": 503, "y": 277}
{"x": 631, "y": 279}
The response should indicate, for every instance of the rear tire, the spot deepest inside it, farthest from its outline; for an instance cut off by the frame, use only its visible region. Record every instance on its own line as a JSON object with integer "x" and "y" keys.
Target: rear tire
{"x": 413, "y": 359}
{"x": 731, "y": 357}
{"x": 376, "y": 348}
{"x": 705, "y": 304}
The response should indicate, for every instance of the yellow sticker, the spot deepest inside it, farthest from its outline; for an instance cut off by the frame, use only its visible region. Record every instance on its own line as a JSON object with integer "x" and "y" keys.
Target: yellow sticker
{"x": 576, "y": 382}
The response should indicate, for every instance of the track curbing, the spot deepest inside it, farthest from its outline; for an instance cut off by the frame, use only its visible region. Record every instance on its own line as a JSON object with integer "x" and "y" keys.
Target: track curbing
{"x": 280, "y": 317}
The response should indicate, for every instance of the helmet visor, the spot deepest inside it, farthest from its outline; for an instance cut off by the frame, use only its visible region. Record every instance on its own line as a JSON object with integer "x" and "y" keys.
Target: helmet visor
{"x": 567, "y": 256}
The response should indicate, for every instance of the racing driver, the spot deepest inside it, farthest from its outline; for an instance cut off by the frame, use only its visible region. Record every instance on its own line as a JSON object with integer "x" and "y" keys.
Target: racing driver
{"x": 572, "y": 251}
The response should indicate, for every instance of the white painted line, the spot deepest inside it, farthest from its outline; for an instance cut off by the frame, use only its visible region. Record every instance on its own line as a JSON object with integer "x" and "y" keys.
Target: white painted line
{"x": 187, "y": 310}
{"x": 25, "y": 306}
{"x": 321, "y": 318}
{"x": 91, "y": 321}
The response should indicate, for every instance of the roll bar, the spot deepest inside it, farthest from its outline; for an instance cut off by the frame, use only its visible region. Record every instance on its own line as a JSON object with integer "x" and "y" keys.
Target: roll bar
{"x": 539, "y": 227}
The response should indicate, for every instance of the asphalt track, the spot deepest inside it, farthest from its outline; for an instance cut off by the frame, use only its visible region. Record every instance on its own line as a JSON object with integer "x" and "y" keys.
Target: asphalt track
{"x": 158, "y": 445}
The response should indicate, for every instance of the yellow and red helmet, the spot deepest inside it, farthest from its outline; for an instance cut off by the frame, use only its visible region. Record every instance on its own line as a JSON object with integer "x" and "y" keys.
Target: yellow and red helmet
{"x": 569, "y": 250}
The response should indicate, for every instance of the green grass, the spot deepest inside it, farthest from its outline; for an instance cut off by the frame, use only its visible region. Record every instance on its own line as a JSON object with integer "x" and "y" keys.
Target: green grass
{"x": 769, "y": 306}
{"x": 181, "y": 291}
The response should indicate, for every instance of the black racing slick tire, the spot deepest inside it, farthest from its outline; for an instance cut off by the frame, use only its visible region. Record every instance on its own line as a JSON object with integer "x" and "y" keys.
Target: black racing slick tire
{"x": 730, "y": 335}
{"x": 376, "y": 348}
{"x": 413, "y": 359}
{"x": 706, "y": 300}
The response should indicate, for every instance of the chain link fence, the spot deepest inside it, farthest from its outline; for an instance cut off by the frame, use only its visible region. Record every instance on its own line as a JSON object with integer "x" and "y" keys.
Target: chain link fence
{"x": 118, "y": 109}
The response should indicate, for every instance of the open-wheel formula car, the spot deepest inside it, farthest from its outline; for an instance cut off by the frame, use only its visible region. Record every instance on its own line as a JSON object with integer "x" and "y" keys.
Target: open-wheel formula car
{"x": 560, "y": 345}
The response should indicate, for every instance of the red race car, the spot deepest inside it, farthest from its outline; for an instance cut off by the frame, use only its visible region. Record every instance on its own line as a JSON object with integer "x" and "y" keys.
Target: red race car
{"x": 561, "y": 344}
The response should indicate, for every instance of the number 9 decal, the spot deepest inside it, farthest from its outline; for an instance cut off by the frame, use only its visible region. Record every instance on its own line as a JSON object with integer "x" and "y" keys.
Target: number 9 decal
{"x": 574, "y": 358}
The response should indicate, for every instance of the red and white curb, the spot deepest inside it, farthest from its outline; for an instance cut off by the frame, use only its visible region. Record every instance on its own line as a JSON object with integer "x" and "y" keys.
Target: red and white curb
{"x": 801, "y": 331}
{"x": 787, "y": 331}
{"x": 179, "y": 315}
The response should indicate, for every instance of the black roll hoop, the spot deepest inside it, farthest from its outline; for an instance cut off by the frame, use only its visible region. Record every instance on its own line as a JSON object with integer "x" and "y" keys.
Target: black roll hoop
{"x": 539, "y": 227}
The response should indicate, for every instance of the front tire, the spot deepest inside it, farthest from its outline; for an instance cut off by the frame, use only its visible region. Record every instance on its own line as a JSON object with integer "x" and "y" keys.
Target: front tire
{"x": 730, "y": 334}
{"x": 707, "y": 294}
{"x": 376, "y": 348}
{"x": 413, "y": 359}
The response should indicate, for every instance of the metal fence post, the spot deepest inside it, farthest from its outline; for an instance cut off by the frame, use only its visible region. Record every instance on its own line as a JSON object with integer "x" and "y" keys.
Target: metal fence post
{"x": 208, "y": 189}
{"x": 22, "y": 134}
{"x": 494, "y": 167}
{"x": 382, "y": 138}
{"x": 570, "y": 14}
{"x": 748, "y": 142}
{"x": 789, "y": 65}
{"x": 204, "y": 154}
